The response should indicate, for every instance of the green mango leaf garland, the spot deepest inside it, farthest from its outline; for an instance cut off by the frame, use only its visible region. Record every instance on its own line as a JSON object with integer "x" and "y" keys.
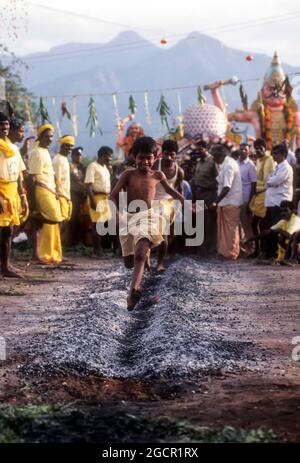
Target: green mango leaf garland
{"x": 132, "y": 105}
{"x": 65, "y": 111}
{"x": 43, "y": 112}
{"x": 164, "y": 111}
{"x": 93, "y": 121}
{"x": 200, "y": 96}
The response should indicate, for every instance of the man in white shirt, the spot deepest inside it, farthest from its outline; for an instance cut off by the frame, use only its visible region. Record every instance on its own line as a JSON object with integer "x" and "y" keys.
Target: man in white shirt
{"x": 229, "y": 201}
{"x": 279, "y": 187}
{"x": 249, "y": 178}
{"x": 98, "y": 183}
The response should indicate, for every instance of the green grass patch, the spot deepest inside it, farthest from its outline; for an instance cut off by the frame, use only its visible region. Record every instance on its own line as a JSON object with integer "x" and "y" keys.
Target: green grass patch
{"x": 48, "y": 423}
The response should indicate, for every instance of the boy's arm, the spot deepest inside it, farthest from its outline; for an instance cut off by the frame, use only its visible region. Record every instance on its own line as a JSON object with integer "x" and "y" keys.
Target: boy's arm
{"x": 121, "y": 183}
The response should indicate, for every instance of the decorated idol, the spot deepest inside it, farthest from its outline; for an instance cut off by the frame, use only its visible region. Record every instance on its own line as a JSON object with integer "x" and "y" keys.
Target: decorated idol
{"x": 274, "y": 114}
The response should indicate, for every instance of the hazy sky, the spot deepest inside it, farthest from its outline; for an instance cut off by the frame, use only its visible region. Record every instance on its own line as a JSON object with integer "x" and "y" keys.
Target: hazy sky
{"x": 256, "y": 25}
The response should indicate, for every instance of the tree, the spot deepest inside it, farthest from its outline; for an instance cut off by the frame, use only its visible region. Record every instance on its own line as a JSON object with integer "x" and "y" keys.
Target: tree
{"x": 18, "y": 97}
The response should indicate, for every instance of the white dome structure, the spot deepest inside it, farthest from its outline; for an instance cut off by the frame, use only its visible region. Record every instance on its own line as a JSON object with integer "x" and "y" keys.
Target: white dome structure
{"x": 206, "y": 120}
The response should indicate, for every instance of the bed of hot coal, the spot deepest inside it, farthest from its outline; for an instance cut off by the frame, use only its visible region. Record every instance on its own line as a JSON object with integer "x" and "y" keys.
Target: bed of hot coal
{"x": 186, "y": 331}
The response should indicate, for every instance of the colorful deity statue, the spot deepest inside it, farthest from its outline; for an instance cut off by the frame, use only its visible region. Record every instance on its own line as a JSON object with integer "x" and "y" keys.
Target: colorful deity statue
{"x": 274, "y": 114}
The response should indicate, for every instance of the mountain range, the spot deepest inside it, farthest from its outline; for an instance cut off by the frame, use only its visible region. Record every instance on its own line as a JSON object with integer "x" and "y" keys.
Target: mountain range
{"x": 129, "y": 63}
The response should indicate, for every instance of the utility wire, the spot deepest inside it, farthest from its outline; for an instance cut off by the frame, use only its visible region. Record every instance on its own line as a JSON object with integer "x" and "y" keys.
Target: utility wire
{"x": 104, "y": 49}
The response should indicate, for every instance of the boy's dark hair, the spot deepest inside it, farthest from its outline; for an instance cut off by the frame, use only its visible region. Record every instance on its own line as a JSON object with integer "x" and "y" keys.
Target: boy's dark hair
{"x": 288, "y": 204}
{"x": 260, "y": 142}
{"x": 297, "y": 151}
{"x": 103, "y": 151}
{"x": 144, "y": 145}
{"x": 16, "y": 123}
{"x": 170, "y": 145}
{"x": 281, "y": 148}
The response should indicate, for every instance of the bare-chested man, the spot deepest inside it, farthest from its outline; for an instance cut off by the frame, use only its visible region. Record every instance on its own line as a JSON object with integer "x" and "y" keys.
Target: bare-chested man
{"x": 174, "y": 174}
{"x": 145, "y": 227}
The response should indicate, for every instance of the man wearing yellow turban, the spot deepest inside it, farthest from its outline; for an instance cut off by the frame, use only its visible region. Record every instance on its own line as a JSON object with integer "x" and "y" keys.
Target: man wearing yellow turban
{"x": 45, "y": 202}
{"x": 13, "y": 202}
{"x": 61, "y": 167}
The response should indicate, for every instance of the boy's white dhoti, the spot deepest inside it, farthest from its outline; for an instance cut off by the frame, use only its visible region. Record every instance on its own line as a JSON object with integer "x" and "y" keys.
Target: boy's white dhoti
{"x": 148, "y": 224}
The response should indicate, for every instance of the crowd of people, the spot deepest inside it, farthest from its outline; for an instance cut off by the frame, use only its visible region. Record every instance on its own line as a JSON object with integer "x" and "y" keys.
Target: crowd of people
{"x": 251, "y": 196}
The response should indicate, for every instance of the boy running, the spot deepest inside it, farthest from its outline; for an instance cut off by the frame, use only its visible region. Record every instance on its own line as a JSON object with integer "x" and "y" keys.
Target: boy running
{"x": 145, "y": 227}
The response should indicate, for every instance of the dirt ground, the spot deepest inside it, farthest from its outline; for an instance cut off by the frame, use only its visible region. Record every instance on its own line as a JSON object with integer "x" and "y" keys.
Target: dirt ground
{"x": 257, "y": 303}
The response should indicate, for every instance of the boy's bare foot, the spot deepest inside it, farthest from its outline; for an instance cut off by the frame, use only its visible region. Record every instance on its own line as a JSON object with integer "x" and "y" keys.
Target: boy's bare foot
{"x": 160, "y": 268}
{"x": 133, "y": 298}
{"x": 10, "y": 274}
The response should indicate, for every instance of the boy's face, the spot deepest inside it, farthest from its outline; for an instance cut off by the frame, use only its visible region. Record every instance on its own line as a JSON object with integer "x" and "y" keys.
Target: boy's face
{"x": 169, "y": 156}
{"x": 145, "y": 161}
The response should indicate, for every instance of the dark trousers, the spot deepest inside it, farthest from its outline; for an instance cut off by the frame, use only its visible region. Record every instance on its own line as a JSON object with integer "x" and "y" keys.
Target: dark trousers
{"x": 209, "y": 245}
{"x": 269, "y": 243}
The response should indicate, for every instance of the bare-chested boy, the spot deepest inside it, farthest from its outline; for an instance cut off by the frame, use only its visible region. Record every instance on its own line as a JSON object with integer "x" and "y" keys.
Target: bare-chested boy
{"x": 145, "y": 228}
{"x": 174, "y": 175}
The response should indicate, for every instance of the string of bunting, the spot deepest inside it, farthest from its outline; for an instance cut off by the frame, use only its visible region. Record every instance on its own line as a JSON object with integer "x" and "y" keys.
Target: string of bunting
{"x": 163, "y": 108}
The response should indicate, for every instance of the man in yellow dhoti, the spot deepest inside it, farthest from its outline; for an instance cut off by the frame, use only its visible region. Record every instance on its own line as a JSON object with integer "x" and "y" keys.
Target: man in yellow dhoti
{"x": 174, "y": 174}
{"x": 61, "y": 167}
{"x": 98, "y": 182}
{"x": 45, "y": 202}
{"x": 13, "y": 202}
{"x": 265, "y": 165}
